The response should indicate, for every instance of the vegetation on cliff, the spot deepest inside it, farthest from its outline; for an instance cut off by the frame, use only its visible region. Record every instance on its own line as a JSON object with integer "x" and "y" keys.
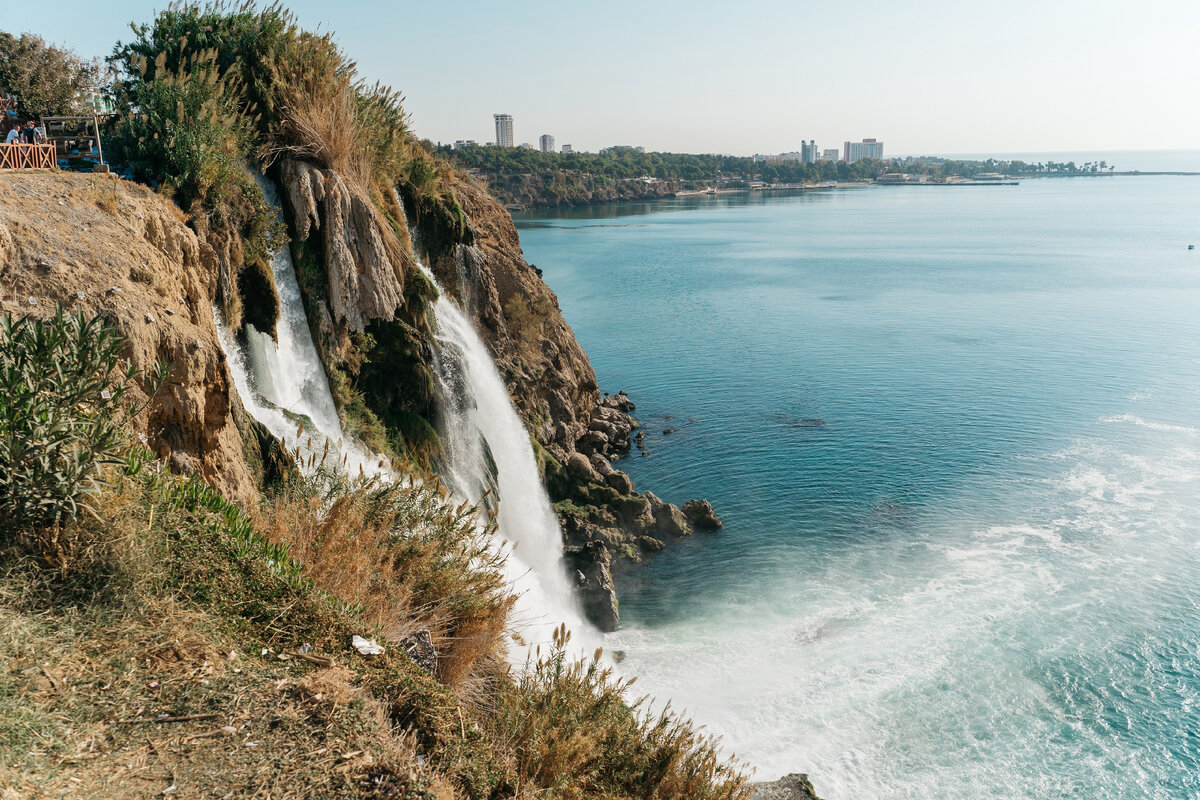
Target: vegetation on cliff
{"x": 169, "y": 638}
{"x": 208, "y": 90}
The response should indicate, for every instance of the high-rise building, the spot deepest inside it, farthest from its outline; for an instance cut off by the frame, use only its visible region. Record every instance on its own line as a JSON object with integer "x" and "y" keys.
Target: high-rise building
{"x": 830, "y": 154}
{"x": 566, "y": 148}
{"x": 546, "y": 143}
{"x": 504, "y": 130}
{"x": 809, "y": 151}
{"x": 867, "y": 148}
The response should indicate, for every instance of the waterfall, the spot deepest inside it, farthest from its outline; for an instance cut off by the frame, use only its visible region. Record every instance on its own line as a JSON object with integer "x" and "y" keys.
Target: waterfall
{"x": 488, "y": 455}
{"x": 487, "y": 447}
{"x": 282, "y": 382}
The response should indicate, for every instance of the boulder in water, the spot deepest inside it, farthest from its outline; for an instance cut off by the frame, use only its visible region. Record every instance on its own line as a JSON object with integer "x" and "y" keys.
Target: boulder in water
{"x": 701, "y": 514}
{"x": 650, "y": 544}
{"x": 668, "y": 519}
{"x": 593, "y": 580}
{"x": 795, "y": 786}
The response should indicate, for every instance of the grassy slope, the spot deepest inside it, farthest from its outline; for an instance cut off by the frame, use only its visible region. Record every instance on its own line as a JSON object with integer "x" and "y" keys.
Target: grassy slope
{"x": 169, "y": 602}
{"x": 178, "y": 611}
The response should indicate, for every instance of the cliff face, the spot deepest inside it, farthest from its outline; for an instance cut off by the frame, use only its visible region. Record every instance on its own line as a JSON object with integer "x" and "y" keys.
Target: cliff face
{"x": 549, "y": 375}
{"x": 116, "y": 248}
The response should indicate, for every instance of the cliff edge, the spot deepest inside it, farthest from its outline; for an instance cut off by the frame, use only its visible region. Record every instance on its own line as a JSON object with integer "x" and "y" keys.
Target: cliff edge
{"x": 116, "y": 248}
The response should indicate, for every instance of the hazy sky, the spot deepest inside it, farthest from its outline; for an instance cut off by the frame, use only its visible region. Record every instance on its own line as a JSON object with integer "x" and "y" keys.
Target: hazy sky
{"x": 745, "y": 76}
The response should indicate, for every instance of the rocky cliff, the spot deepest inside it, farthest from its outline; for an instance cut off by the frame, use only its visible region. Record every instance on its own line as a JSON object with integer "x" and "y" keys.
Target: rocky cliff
{"x": 113, "y": 247}
{"x": 579, "y": 432}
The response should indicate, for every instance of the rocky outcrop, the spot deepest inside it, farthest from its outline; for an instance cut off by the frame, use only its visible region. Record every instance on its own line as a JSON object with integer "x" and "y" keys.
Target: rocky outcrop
{"x": 365, "y": 261}
{"x": 795, "y": 786}
{"x": 701, "y": 515}
{"x": 116, "y": 248}
{"x": 549, "y": 376}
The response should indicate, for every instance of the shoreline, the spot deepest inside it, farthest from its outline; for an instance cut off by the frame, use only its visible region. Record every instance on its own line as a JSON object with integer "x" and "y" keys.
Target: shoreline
{"x": 833, "y": 185}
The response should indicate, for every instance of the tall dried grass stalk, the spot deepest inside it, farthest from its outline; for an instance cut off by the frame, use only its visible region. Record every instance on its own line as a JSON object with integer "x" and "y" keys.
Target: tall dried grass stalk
{"x": 408, "y": 561}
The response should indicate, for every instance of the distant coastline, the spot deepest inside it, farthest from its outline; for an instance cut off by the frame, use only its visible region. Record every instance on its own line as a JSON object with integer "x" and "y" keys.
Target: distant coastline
{"x": 523, "y": 179}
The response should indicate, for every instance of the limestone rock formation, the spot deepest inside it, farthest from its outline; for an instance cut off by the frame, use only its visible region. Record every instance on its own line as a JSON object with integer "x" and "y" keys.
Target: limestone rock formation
{"x": 365, "y": 262}
{"x": 112, "y": 247}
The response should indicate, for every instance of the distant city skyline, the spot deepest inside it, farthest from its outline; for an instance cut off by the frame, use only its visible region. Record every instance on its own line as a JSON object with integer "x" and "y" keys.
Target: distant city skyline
{"x": 927, "y": 77}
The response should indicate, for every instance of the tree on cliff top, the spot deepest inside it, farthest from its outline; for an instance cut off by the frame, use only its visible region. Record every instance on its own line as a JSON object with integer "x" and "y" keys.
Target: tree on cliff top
{"x": 45, "y": 78}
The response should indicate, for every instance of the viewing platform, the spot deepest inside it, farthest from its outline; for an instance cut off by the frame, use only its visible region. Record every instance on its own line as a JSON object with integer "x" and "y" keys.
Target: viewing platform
{"x": 28, "y": 156}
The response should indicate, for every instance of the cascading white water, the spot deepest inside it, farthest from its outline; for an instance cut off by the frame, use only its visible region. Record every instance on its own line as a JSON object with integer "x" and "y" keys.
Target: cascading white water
{"x": 282, "y": 380}
{"x": 486, "y": 446}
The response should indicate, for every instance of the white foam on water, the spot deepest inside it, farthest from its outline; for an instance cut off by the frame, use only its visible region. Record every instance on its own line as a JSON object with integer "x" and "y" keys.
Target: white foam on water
{"x": 979, "y": 669}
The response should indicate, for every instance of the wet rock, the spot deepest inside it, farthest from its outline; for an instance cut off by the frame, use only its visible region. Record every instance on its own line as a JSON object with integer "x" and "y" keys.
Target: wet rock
{"x": 668, "y": 518}
{"x": 790, "y": 787}
{"x": 619, "y": 401}
{"x": 650, "y": 544}
{"x": 619, "y": 481}
{"x": 593, "y": 581}
{"x": 701, "y": 515}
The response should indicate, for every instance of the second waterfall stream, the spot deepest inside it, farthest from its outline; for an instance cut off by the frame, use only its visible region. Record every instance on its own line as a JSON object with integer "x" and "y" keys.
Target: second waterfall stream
{"x": 486, "y": 446}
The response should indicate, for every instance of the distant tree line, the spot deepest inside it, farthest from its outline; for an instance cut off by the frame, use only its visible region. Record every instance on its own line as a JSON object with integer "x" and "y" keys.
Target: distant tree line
{"x": 532, "y": 177}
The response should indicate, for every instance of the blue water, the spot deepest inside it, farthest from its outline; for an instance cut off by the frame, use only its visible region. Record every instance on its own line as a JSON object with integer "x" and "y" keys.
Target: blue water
{"x": 954, "y": 434}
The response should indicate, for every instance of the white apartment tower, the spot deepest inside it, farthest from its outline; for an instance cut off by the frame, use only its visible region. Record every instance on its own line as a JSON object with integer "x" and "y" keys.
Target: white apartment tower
{"x": 504, "y": 130}
{"x": 809, "y": 152}
{"x": 867, "y": 148}
{"x": 546, "y": 143}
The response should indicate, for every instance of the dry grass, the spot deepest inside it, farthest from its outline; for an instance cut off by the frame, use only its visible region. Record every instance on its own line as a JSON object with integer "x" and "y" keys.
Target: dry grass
{"x": 574, "y": 735}
{"x": 408, "y": 561}
{"x": 322, "y": 112}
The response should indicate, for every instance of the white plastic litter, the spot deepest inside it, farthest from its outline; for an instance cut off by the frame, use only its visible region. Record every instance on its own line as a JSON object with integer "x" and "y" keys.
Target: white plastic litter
{"x": 368, "y": 647}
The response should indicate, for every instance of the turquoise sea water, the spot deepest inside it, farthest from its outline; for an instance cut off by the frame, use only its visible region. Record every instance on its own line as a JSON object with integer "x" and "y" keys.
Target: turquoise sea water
{"x": 954, "y": 434}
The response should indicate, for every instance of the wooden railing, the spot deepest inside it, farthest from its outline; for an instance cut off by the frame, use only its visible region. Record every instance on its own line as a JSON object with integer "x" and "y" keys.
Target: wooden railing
{"x": 27, "y": 156}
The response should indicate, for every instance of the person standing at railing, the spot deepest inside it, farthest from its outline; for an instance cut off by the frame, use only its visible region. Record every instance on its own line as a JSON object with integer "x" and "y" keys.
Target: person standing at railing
{"x": 30, "y": 135}
{"x": 14, "y": 135}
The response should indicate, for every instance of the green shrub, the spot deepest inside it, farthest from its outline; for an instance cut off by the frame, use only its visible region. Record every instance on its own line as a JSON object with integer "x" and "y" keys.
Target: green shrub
{"x": 62, "y": 383}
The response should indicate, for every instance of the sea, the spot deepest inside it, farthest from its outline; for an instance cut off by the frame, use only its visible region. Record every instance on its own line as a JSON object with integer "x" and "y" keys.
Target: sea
{"x": 954, "y": 436}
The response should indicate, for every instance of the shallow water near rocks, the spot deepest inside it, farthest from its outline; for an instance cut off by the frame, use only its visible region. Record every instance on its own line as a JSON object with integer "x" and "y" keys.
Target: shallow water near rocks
{"x": 954, "y": 434}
